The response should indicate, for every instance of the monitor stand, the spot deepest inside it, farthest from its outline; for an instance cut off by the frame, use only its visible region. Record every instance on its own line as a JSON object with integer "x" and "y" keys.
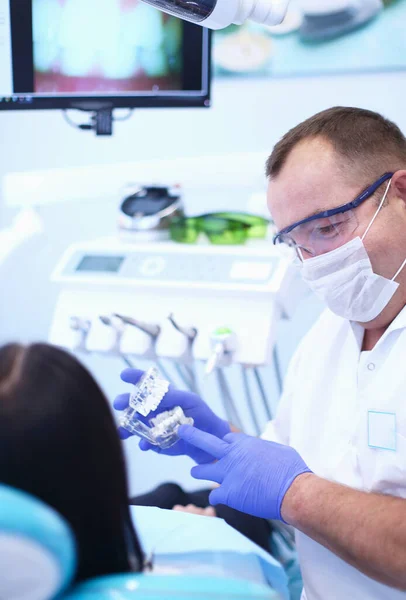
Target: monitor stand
{"x": 101, "y": 117}
{"x": 102, "y": 120}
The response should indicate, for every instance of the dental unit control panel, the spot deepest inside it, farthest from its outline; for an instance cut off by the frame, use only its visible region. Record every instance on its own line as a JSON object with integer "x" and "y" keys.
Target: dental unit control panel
{"x": 124, "y": 297}
{"x": 160, "y": 301}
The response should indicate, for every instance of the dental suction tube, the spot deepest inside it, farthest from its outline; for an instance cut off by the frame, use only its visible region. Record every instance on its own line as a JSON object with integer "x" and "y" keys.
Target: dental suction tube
{"x": 217, "y": 14}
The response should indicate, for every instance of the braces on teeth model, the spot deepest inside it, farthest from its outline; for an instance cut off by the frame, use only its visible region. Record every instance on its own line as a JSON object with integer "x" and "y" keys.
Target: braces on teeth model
{"x": 146, "y": 397}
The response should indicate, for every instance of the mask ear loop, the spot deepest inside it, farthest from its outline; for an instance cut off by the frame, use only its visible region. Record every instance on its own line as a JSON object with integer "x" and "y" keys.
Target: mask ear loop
{"x": 378, "y": 211}
{"x": 400, "y": 270}
{"x": 372, "y": 222}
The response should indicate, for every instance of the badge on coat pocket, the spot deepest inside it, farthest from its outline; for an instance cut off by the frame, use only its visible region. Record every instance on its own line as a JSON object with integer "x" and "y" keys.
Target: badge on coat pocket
{"x": 382, "y": 430}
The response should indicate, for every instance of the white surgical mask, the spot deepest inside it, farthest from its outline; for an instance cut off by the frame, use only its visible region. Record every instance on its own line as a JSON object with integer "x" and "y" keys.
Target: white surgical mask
{"x": 345, "y": 281}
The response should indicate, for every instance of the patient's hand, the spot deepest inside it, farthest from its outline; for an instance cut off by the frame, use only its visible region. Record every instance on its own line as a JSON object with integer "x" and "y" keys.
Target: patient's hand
{"x": 210, "y": 511}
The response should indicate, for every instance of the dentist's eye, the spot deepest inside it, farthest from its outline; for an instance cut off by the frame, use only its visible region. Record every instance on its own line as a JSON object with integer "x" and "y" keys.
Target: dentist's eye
{"x": 326, "y": 231}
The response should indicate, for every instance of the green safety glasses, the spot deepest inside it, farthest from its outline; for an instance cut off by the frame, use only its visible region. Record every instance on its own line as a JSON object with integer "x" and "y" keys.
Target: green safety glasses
{"x": 220, "y": 228}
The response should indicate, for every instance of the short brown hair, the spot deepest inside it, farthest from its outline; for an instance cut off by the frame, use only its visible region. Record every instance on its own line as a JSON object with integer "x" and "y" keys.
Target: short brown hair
{"x": 364, "y": 140}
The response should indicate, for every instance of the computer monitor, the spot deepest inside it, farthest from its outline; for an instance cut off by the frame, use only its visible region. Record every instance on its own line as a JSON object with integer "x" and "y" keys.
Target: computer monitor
{"x": 99, "y": 55}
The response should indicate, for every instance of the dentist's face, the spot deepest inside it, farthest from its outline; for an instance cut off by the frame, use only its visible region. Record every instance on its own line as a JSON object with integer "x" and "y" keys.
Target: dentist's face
{"x": 314, "y": 178}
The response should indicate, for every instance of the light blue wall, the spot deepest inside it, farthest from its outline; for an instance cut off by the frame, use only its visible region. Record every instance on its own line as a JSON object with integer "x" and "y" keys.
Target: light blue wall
{"x": 246, "y": 116}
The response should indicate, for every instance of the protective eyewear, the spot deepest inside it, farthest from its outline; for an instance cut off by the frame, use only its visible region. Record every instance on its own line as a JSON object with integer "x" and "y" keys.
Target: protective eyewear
{"x": 224, "y": 228}
{"x": 327, "y": 230}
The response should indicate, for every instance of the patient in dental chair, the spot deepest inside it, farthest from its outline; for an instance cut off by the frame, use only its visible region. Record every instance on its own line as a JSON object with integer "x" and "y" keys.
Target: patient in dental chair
{"x": 58, "y": 442}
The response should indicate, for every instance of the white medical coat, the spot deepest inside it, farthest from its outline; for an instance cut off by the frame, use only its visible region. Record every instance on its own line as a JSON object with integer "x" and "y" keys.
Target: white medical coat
{"x": 323, "y": 414}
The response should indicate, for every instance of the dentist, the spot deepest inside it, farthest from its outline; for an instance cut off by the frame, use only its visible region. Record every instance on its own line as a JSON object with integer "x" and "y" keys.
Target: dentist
{"x": 333, "y": 462}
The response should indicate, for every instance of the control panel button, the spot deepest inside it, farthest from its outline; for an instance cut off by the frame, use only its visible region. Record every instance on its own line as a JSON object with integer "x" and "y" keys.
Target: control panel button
{"x": 152, "y": 266}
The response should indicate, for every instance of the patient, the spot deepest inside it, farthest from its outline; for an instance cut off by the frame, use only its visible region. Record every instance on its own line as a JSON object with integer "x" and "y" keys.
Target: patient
{"x": 58, "y": 442}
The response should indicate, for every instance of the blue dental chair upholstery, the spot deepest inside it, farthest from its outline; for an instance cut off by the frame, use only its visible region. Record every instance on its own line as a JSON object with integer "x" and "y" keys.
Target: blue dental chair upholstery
{"x": 37, "y": 562}
{"x": 169, "y": 587}
{"x": 37, "y": 549}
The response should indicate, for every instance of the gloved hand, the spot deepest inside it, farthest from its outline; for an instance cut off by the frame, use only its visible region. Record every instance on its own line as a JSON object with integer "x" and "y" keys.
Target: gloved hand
{"x": 192, "y": 405}
{"x": 254, "y": 475}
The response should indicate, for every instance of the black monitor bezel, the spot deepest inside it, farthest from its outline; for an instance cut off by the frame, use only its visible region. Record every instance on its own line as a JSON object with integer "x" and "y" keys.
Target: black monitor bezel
{"x": 196, "y": 57}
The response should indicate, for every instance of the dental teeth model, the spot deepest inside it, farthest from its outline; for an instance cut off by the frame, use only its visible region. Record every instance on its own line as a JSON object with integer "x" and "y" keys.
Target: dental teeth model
{"x": 149, "y": 392}
{"x": 146, "y": 397}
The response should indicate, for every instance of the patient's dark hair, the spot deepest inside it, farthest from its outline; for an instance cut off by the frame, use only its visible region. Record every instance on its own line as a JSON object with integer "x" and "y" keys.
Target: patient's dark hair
{"x": 58, "y": 442}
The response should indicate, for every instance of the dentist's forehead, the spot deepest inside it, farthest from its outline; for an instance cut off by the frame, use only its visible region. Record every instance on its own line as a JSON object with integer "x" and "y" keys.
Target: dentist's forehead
{"x": 311, "y": 180}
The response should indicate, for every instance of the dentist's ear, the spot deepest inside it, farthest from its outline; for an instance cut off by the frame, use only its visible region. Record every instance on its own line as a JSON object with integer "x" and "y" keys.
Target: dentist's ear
{"x": 399, "y": 184}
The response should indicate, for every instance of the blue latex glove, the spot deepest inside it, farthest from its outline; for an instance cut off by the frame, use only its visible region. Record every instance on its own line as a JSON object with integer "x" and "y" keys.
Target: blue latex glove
{"x": 254, "y": 475}
{"x": 192, "y": 405}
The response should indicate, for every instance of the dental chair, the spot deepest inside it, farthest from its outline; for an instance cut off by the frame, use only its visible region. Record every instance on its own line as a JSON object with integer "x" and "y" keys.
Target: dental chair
{"x": 37, "y": 549}
{"x": 38, "y": 560}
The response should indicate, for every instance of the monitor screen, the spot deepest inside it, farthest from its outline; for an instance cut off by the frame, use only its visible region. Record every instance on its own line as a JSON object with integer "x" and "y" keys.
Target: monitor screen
{"x": 97, "y": 53}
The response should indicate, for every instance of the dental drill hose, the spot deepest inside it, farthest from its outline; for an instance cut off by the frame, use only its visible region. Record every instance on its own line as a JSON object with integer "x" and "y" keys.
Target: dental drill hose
{"x": 249, "y": 399}
{"x": 263, "y": 394}
{"x": 229, "y": 404}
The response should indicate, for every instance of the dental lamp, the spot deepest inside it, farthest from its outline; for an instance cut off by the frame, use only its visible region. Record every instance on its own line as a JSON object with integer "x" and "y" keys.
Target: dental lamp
{"x": 217, "y": 14}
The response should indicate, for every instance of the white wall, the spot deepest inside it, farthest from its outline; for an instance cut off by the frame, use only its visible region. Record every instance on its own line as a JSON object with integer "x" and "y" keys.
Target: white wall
{"x": 248, "y": 115}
